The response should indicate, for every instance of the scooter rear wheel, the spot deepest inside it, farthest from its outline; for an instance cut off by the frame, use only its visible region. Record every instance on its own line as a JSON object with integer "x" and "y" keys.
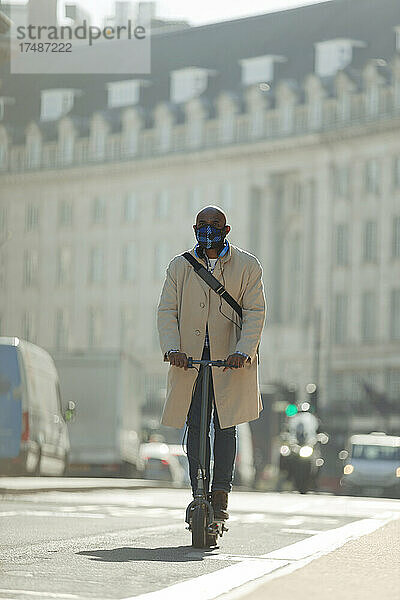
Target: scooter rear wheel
{"x": 199, "y": 534}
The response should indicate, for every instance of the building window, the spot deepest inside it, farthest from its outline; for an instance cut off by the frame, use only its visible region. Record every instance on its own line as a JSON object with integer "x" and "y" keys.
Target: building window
{"x": 395, "y": 314}
{"x": 396, "y": 237}
{"x": 55, "y": 104}
{"x": 194, "y": 201}
{"x": 393, "y": 382}
{"x": 396, "y": 172}
{"x": 61, "y": 329}
{"x": 99, "y": 210}
{"x": 294, "y": 277}
{"x": 162, "y": 205}
{"x": 160, "y": 259}
{"x": 28, "y": 326}
{"x": 370, "y": 245}
{"x": 342, "y": 244}
{"x": 3, "y": 155}
{"x": 226, "y": 196}
{"x": 31, "y": 217}
{"x": 64, "y": 266}
{"x": 368, "y": 316}
{"x": 123, "y": 93}
{"x": 31, "y": 268}
{"x": 255, "y": 219}
{"x": 3, "y": 220}
{"x": 130, "y": 208}
{"x": 129, "y": 262}
{"x": 65, "y": 213}
{"x": 340, "y": 319}
{"x": 95, "y": 327}
{"x": 341, "y": 181}
{"x": 96, "y": 265}
{"x": 127, "y": 321}
{"x": 372, "y": 176}
{"x": 3, "y": 270}
{"x": 33, "y": 151}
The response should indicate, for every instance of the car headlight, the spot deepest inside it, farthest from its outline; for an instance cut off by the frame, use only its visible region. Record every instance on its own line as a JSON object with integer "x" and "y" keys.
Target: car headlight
{"x": 398, "y": 472}
{"x": 285, "y": 450}
{"x": 306, "y": 451}
{"x": 348, "y": 469}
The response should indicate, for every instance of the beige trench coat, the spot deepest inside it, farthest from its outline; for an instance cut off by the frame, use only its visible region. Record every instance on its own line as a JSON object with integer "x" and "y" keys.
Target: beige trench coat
{"x": 186, "y": 305}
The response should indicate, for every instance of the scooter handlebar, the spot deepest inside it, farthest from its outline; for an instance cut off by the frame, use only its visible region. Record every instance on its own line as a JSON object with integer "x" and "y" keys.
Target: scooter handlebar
{"x": 212, "y": 363}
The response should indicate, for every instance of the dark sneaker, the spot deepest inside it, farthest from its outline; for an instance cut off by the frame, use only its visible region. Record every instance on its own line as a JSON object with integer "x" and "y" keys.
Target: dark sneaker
{"x": 219, "y": 501}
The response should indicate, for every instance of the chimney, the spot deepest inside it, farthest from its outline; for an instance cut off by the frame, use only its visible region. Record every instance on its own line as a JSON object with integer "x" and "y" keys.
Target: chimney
{"x": 43, "y": 12}
{"x": 146, "y": 12}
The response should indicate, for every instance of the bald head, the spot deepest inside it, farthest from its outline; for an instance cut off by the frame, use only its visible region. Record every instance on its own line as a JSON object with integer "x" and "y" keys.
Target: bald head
{"x": 211, "y": 215}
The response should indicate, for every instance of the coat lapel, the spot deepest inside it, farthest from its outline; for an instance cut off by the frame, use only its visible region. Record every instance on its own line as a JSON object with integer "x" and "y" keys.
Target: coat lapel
{"x": 206, "y": 288}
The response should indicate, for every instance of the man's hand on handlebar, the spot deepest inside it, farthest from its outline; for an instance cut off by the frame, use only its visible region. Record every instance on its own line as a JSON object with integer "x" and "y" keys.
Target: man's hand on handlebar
{"x": 235, "y": 361}
{"x": 178, "y": 359}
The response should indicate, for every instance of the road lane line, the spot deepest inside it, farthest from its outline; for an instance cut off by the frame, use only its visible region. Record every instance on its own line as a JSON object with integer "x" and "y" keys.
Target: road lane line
{"x": 303, "y": 531}
{"x": 48, "y": 513}
{"x": 244, "y": 574}
{"x": 42, "y": 594}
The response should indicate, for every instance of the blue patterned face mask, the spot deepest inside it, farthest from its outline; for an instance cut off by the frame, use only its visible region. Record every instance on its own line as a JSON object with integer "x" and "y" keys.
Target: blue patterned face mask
{"x": 209, "y": 236}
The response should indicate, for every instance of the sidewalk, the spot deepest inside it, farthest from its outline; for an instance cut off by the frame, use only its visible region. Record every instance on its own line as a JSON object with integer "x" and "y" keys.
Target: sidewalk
{"x": 364, "y": 569}
{"x": 24, "y": 485}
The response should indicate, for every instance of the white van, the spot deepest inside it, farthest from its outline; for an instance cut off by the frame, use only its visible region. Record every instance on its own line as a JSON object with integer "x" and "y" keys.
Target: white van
{"x": 33, "y": 434}
{"x": 373, "y": 465}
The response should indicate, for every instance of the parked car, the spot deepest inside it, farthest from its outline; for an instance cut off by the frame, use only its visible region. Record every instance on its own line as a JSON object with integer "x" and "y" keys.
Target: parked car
{"x": 33, "y": 433}
{"x": 161, "y": 464}
{"x": 372, "y": 465}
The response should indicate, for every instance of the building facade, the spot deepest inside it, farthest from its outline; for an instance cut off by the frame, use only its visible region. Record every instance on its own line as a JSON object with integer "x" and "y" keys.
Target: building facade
{"x": 92, "y": 209}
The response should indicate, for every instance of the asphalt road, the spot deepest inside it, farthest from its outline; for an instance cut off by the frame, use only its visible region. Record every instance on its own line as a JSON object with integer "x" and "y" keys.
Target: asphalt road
{"x": 115, "y": 544}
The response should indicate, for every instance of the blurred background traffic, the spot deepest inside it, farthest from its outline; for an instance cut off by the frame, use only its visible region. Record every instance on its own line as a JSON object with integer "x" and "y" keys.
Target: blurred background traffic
{"x": 288, "y": 120}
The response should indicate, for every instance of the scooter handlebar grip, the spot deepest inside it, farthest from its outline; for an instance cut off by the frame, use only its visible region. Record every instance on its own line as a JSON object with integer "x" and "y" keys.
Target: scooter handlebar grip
{"x": 190, "y": 362}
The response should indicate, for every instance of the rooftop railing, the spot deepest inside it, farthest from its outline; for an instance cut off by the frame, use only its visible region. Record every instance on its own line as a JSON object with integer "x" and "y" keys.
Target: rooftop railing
{"x": 281, "y": 122}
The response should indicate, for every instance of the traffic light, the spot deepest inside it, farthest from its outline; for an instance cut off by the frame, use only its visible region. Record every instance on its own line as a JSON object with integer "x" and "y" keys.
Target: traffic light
{"x": 291, "y": 410}
{"x": 291, "y": 397}
{"x": 312, "y": 393}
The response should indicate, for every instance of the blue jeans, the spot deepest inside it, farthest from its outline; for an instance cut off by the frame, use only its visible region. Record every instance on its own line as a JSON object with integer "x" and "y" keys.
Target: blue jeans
{"x": 224, "y": 440}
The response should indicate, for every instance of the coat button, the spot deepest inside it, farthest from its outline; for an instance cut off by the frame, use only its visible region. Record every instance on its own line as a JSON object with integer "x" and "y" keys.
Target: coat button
{"x": 197, "y": 332}
{"x": 202, "y": 304}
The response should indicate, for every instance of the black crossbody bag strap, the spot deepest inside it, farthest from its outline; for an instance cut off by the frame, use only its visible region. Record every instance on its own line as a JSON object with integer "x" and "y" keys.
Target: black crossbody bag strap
{"x": 213, "y": 283}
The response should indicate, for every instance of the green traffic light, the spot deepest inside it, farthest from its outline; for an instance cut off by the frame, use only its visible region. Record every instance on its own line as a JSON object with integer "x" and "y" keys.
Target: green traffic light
{"x": 291, "y": 410}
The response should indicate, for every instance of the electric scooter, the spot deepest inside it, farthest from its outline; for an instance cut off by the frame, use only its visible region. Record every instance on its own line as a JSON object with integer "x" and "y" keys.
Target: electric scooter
{"x": 200, "y": 514}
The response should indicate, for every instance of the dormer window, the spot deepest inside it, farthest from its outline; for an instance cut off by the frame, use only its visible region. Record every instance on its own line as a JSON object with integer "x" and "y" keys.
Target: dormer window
{"x": 56, "y": 103}
{"x": 123, "y": 93}
{"x": 259, "y": 69}
{"x": 188, "y": 83}
{"x": 333, "y": 55}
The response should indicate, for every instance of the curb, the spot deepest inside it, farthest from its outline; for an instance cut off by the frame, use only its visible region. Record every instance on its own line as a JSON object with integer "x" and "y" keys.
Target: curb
{"x": 29, "y": 485}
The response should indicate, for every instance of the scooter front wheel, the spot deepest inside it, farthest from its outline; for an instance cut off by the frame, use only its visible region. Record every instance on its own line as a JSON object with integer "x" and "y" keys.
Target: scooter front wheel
{"x": 198, "y": 526}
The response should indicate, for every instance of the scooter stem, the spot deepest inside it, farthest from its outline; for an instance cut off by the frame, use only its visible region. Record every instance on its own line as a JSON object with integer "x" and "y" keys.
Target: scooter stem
{"x": 203, "y": 423}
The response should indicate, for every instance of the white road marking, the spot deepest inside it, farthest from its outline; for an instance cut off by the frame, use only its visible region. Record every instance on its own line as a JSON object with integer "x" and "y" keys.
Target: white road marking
{"x": 292, "y": 557}
{"x": 48, "y": 513}
{"x": 305, "y": 531}
{"x": 40, "y": 594}
{"x": 295, "y": 521}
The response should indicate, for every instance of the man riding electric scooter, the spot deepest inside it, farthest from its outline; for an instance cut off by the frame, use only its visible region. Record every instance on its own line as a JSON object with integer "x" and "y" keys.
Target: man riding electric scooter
{"x": 212, "y": 307}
